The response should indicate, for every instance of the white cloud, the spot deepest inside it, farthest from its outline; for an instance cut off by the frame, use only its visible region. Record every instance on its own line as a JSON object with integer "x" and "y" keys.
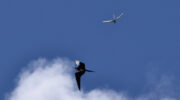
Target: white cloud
{"x": 54, "y": 80}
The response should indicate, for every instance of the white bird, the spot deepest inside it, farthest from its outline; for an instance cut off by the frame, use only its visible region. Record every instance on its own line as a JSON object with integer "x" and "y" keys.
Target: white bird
{"x": 114, "y": 20}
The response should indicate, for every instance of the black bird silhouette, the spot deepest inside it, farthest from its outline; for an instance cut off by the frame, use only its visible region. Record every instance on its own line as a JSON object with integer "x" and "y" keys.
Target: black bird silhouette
{"x": 81, "y": 68}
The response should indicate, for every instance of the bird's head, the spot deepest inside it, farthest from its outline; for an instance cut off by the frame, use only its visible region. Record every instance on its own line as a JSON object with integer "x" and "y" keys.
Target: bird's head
{"x": 77, "y": 62}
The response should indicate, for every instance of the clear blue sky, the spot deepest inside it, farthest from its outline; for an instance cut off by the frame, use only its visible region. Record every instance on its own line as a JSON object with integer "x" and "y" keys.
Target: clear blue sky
{"x": 122, "y": 54}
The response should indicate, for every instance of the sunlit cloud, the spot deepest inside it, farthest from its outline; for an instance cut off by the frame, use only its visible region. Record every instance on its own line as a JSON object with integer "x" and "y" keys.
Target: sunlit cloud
{"x": 54, "y": 80}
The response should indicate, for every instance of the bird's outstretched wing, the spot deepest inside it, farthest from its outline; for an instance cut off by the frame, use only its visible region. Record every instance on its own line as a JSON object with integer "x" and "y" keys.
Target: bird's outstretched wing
{"x": 89, "y": 70}
{"x": 78, "y": 79}
{"x": 119, "y": 16}
{"x": 108, "y": 21}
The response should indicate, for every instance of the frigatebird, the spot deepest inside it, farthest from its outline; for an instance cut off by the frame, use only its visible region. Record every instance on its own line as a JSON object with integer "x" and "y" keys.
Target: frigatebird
{"x": 81, "y": 70}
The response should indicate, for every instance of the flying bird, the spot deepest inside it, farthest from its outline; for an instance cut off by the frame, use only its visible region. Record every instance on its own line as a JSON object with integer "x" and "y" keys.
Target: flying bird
{"x": 114, "y": 20}
{"x": 81, "y": 70}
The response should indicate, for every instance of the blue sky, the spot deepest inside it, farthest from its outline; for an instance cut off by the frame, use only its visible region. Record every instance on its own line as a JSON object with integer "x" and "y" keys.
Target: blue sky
{"x": 145, "y": 41}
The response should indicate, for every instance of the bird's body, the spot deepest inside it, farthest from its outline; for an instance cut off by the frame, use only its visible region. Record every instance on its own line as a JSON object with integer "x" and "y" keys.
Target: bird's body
{"x": 81, "y": 70}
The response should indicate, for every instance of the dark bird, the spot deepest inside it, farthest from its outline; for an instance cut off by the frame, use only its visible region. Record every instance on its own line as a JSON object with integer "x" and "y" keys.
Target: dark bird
{"x": 81, "y": 70}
